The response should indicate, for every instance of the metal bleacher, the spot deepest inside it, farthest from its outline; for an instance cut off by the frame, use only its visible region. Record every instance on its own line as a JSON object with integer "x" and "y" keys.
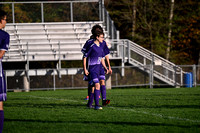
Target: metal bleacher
{"x": 47, "y": 41}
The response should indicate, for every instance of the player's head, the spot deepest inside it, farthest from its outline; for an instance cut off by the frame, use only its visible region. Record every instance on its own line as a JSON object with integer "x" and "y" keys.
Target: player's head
{"x": 96, "y": 28}
{"x": 2, "y": 19}
{"x": 98, "y": 35}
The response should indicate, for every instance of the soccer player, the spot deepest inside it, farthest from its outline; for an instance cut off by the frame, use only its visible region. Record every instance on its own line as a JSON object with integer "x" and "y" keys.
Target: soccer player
{"x": 102, "y": 75}
{"x": 95, "y": 56}
{"x": 4, "y": 44}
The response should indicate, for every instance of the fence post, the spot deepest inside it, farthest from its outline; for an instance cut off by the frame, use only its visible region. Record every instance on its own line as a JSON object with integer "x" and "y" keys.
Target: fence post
{"x": 194, "y": 75}
{"x": 72, "y": 80}
{"x": 108, "y": 23}
{"x": 13, "y": 12}
{"x": 151, "y": 72}
{"x": 181, "y": 77}
{"x": 71, "y": 8}
{"x": 59, "y": 61}
{"x": 129, "y": 53}
{"x": 101, "y": 11}
{"x": 54, "y": 80}
{"x": 26, "y": 78}
{"x": 151, "y": 76}
{"x": 112, "y": 23}
{"x": 174, "y": 76}
{"x": 42, "y": 12}
{"x": 123, "y": 58}
{"x": 116, "y": 79}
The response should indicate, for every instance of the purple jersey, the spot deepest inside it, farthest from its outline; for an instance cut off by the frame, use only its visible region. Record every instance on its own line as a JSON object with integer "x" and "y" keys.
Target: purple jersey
{"x": 85, "y": 50}
{"x": 4, "y": 44}
{"x": 89, "y": 42}
{"x": 94, "y": 55}
{"x": 4, "y": 40}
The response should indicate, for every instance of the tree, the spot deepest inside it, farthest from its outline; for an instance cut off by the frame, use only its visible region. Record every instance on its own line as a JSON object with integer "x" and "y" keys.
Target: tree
{"x": 153, "y": 29}
{"x": 142, "y": 21}
{"x": 186, "y": 34}
{"x": 170, "y": 30}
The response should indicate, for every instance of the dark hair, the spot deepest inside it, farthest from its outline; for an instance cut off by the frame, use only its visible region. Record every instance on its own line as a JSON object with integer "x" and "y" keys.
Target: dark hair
{"x": 97, "y": 34}
{"x": 96, "y": 28}
{"x": 2, "y": 14}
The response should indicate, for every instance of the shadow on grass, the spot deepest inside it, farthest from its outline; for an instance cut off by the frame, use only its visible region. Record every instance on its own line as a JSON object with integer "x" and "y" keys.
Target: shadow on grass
{"x": 49, "y": 105}
{"x": 100, "y": 122}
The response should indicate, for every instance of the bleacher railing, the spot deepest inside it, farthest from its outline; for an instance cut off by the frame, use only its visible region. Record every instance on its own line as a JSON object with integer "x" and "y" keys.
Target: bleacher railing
{"x": 68, "y": 8}
{"x": 136, "y": 55}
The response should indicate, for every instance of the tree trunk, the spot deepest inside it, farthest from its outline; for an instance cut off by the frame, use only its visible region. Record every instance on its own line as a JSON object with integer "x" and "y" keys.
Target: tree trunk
{"x": 198, "y": 68}
{"x": 170, "y": 30}
{"x": 134, "y": 18}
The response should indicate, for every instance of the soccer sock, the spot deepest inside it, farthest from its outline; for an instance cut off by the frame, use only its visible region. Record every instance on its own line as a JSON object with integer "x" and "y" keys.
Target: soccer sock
{"x": 88, "y": 91}
{"x": 91, "y": 98}
{"x": 1, "y": 120}
{"x": 103, "y": 92}
{"x": 96, "y": 97}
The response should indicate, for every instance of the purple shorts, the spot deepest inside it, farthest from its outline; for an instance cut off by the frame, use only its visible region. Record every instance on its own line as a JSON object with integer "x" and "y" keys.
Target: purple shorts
{"x": 102, "y": 73}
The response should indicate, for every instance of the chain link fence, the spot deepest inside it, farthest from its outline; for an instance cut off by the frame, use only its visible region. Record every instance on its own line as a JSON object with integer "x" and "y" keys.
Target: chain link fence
{"x": 131, "y": 77}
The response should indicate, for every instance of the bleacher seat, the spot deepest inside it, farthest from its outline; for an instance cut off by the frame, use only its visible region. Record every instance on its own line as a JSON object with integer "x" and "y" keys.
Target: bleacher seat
{"x": 45, "y": 40}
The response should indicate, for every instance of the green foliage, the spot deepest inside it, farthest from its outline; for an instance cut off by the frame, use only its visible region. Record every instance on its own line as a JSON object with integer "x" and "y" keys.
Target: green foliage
{"x": 151, "y": 22}
{"x": 130, "y": 110}
{"x": 152, "y": 26}
{"x": 186, "y": 36}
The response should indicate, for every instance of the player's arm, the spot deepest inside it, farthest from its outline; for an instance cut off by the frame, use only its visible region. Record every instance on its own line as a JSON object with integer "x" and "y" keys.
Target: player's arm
{"x": 108, "y": 62}
{"x": 86, "y": 55}
{"x": 84, "y": 51}
{"x": 84, "y": 66}
{"x": 2, "y": 52}
{"x": 4, "y": 46}
{"x": 107, "y": 52}
{"x": 104, "y": 65}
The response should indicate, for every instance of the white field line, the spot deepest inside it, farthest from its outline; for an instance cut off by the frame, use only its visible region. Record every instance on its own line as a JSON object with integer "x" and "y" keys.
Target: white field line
{"x": 122, "y": 109}
{"x": 50, "y": 98}
{"x": 158, "y": 115}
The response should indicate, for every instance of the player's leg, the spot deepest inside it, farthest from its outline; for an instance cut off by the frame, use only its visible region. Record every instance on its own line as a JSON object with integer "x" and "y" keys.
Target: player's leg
{"x": 2, "y": 98}
{"x": 1, "y": 116}
{"x": 103, "y": 87}
{"x": 87, "y": 97}
{"x": 102, "y": 83}
{"x": 95, "y": 79}
{"x": 85, "y": 78}
{"x": 103, "y": 93}
{"x": 91, "y": 97}
{"x": 96, "y": 96}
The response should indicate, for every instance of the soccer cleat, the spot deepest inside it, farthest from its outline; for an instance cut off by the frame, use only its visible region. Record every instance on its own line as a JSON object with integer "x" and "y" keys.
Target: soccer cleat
{"x": 90, "y": 107}
{"x": 87, "y": 98}
{"x": 98, "y": 108}
{"x": 105, "y": 102}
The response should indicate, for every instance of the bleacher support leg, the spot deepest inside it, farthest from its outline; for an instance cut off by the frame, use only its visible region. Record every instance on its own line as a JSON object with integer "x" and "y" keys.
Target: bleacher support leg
{"x": 108, "y": 82}
{"x": 26, "y": 83}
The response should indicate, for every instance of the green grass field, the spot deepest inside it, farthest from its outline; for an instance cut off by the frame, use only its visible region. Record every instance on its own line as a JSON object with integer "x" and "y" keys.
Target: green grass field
{"x": 130, "y": 110}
